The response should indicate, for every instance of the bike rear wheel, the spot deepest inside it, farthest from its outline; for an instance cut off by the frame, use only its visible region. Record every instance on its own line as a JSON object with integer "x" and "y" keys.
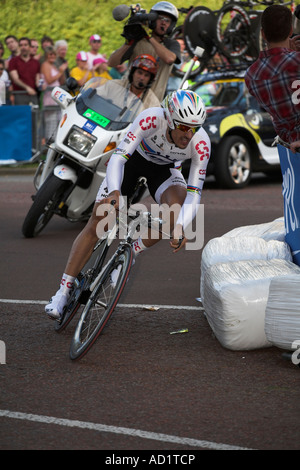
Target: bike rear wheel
{"x": 199, "y": 30}
{"x": 101, "y": 304}
{"x": 233, "y": 28}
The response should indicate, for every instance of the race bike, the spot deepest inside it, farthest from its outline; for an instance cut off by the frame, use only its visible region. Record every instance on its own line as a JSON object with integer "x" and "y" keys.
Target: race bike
{"x": 92, "y": 124}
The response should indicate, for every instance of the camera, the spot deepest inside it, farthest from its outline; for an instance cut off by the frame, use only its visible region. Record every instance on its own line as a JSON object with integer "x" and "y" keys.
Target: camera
{"x": 133, "y": 29}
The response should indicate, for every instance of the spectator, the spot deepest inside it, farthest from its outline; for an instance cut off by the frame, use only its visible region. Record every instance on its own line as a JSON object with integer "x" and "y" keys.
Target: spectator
{"x": 12, "y": 45}
{"x": 51, "y": 73}
{"x": 5, "y": 86}
{"x": 25, "y": 74}
{"x": 273, "y": 80}
{"x": 34, "y": 49}
{"x": 100, "y": 68}
{"x": 119, "y": 71}
{"x": 81, "y": 73}
{"x": 52, "y": 77}
{"x": 1, "y": 50}
{"x": 46, "y": 41}
{"x": 93, "y": 53}
{"x": 157, "y": 44}
{"x": 61, "y": 49}
{"x": 273, "y": 73}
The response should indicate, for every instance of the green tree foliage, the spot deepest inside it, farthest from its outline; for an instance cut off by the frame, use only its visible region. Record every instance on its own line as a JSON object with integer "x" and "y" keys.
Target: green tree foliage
{"x": 72, "y": 20}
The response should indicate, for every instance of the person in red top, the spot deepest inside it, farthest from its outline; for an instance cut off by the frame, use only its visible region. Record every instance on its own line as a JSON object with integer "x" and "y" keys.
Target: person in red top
{"x": 273, "y": 79}
{"x": 25, "y": 74}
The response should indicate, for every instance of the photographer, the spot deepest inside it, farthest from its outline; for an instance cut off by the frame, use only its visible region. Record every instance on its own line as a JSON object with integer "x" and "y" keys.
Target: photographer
{"x": 161, "y": 21}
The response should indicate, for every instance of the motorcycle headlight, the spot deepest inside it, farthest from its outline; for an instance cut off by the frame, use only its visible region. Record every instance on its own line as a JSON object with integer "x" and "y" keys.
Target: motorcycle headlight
{"x": 80, "y": 141}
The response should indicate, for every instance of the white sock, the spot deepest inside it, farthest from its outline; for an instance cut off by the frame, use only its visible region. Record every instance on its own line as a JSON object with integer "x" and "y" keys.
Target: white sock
{"x": 138, "y": 246}
{"x": 66, "y": 283}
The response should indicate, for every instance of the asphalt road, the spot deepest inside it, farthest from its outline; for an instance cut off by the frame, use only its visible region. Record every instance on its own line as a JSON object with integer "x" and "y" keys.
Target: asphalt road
{"x": 139, "y": 388}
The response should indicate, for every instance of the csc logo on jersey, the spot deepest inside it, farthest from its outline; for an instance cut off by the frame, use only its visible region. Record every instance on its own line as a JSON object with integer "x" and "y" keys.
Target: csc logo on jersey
{"x": 148, "y": 123}
{"x": 131, "y": 136}
{"x": 202, "y": 149}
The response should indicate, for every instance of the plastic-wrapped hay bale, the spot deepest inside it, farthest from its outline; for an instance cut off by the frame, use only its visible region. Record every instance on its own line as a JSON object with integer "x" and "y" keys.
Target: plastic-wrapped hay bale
{"x": 227, "y": 249}
{"x": 282, "y": 321}
{"x": 279, "y": 249}
{"x": 235, "y": 299}
{"x": 274, "y": 230}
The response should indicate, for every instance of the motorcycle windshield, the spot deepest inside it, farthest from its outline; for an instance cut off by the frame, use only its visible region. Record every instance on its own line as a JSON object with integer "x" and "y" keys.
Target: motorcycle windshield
{"x": 108, "y": 103}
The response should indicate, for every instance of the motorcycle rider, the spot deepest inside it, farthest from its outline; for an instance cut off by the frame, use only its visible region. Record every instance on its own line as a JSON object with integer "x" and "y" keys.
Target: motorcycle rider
{"x": 175, "y": 133}
{"x": 142, "y": 74}
{"x": 157, "y": 44}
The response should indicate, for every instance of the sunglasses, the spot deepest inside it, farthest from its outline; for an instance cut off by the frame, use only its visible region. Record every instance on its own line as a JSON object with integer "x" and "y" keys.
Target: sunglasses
{"x": 184, "y": 128}
{"x": 164, "y": 18}
{"x": 96, "y": 40}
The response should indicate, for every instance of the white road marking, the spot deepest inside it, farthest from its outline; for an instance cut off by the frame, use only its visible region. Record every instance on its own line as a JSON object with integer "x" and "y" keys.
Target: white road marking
{"x": 119, "y": 430}
{"x": 115, "y": 429}
{"x": 44, "y": 302}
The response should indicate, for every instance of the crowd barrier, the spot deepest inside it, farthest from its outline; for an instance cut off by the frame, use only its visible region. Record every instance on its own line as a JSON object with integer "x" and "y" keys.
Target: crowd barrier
{"x": 22, "y": 130}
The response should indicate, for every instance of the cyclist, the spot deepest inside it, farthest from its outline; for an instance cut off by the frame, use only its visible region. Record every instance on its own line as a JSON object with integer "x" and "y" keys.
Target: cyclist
{"x": 158, "y": 44}
{"x": 157, "y": 139}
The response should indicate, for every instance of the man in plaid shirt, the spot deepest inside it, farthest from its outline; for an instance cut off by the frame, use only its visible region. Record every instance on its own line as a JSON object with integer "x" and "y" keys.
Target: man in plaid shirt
{"x": 274, "y": 78}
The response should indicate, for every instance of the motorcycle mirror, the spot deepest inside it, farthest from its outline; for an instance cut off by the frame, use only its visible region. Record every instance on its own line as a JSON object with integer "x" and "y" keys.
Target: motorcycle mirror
{"x": 71, "y": 83}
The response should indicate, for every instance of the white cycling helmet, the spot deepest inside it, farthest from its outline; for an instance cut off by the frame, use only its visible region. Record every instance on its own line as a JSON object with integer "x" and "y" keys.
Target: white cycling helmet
{"x": 165, "y": 8}
{"x": 184, "y": 107}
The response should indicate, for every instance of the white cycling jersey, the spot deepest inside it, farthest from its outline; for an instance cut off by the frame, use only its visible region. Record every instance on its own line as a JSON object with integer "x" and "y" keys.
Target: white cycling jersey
{"x": 147, "y": 135}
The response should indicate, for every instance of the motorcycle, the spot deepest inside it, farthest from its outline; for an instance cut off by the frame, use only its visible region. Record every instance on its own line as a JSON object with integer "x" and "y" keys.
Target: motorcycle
{"x": 92, "y": 124}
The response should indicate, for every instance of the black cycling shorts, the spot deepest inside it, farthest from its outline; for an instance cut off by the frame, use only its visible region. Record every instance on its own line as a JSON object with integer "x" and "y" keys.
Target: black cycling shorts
{"x": 138, "y": 166}
{"x": 159, "y": 177}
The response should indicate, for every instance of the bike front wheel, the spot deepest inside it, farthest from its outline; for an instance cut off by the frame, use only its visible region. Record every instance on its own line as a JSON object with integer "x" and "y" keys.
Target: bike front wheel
{"x": 85, "y": 277}
{"x": 101, "y": 303}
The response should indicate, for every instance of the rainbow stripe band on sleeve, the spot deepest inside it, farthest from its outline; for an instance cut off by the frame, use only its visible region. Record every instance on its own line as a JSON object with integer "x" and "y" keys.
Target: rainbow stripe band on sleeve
{"x": 193, "y": 189}
{"x": 126, "y": 156}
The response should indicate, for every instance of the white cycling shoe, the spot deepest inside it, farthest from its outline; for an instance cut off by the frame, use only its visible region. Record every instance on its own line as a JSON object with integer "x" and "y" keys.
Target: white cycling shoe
{"x": 56, "y": 305}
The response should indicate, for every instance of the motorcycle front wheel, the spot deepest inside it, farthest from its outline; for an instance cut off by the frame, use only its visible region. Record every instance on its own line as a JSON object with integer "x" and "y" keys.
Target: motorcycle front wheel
{"x": 45, "y": 203}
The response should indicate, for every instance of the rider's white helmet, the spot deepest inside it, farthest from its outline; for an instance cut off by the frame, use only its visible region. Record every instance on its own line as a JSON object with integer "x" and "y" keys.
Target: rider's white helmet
{"x": 184, "y": 107}
{"x": 165, "y": 8}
